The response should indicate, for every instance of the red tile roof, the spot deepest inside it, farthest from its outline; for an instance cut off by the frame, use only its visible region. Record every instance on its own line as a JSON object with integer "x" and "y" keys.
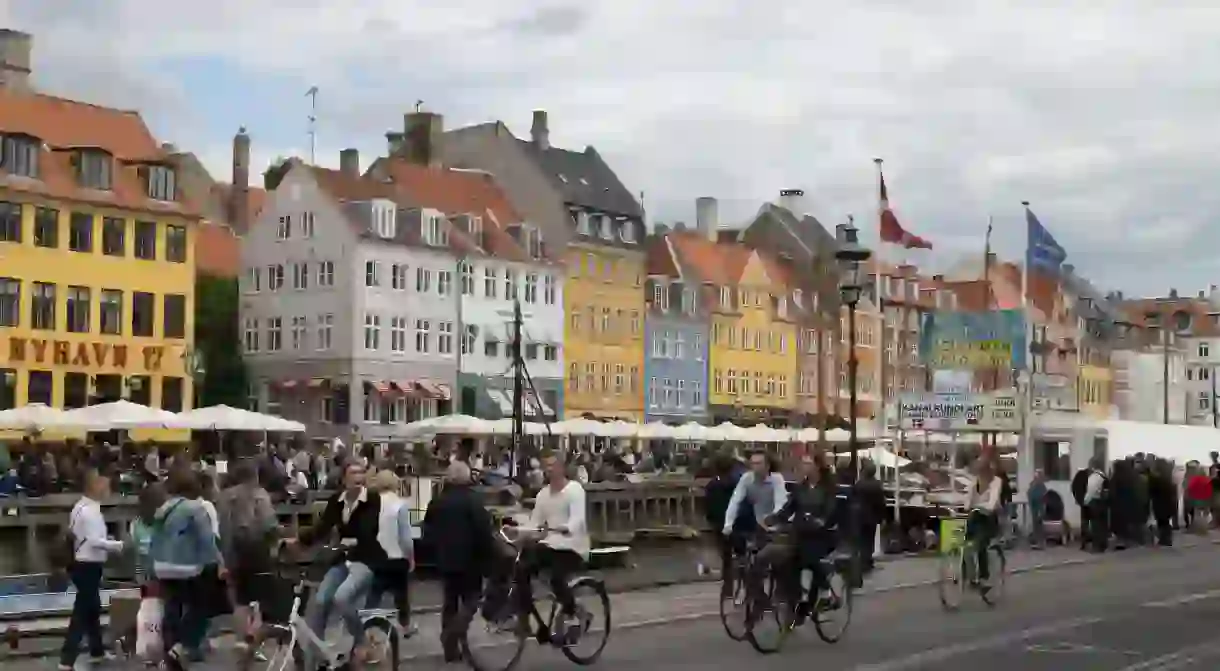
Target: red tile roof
{"x": 660, "y": 258}
{"x": 217, "y": 250}
{"x": 64, "y": 126}
{"x": 720, "y": 263}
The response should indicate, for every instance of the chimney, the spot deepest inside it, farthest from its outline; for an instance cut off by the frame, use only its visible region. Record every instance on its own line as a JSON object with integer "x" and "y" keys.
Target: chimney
{"x": 793, "y": 200}
{"x": 239, "y": 195}
{"x": 423, "y": 138}
{"x": 707, "y": 216}
{"x": 169, "y": 148}
{"x": 349, "y": 162}
{"x": 1202, "y": 294}
{"x": 1173, "y": 294}
{"x": 16, "y": 48}
{"x": 394, "y": 143}
{"x": 1069, "y": 269}
{"x": 540, "y": 132}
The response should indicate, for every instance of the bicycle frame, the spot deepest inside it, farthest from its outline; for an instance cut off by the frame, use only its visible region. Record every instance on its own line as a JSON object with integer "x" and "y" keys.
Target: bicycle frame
{"x": 532, "y": 614}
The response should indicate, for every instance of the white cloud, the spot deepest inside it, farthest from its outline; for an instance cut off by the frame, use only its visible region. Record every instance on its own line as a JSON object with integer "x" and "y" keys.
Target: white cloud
{"x": 1099, "y": 113}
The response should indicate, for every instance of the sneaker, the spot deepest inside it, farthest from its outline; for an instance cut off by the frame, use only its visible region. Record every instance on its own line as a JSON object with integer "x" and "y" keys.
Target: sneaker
{"x": 98, "y": 660}
{"x": 409, "y": 629}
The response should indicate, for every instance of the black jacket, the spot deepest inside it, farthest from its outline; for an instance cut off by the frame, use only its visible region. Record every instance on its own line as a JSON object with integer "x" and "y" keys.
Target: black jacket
{"x": 868, "y": 500}
{"x": 459, "y": 529}
{"x": 362, "y": 526}
{"x": 716, "y": 496}
{"x": 811, "y": 508}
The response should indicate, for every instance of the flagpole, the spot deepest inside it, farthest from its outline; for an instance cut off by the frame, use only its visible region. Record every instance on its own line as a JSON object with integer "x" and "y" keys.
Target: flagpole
{"x": 1025, "y": 462}
{"x": 884, "y": 348}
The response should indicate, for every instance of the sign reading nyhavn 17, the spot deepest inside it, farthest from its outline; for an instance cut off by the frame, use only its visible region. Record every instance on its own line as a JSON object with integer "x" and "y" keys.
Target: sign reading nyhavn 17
{"x": 84, "y": 354}
{"x": 996, "y": 411}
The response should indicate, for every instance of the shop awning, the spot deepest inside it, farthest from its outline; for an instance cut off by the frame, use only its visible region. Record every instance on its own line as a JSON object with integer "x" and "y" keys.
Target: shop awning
{"x": 502, "y": 400}
{"x": 381, "y": 387}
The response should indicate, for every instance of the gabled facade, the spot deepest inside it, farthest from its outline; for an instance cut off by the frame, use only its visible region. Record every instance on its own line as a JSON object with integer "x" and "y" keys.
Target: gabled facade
{"x": 510, "y": 261}
{"x": 97, "y": 262}
{"x": 752, "y": 362}
{"x": 349, "y": 303}
{"x": 1193, "y": 326}
{"x": 675, "y": 338}
{"x": 581, "y": 206}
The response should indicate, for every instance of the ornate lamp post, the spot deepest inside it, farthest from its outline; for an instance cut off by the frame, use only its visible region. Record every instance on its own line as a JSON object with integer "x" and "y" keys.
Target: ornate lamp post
{"x": 852, "y": 258}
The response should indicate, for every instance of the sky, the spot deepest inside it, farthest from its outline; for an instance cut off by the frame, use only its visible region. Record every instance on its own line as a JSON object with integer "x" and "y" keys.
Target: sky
{"x": 1100, "y": 113}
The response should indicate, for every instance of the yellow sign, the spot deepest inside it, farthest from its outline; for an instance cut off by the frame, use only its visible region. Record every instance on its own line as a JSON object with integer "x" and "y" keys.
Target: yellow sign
{"x": 84, "y": 354}
{"x": 952, "y": 534}
{"x": 971, "y": 355}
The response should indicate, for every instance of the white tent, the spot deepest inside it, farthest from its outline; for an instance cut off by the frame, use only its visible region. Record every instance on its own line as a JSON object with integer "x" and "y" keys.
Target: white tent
{"x": 121, "y": 415}
{"x": 504, "y": 427}
{"x": 657, "y": 430}
{"x": 448, "y": 425}
{"x": 695, "y": 431}
{"x": 33, "y": 417}
{"x": 225, "y": 418}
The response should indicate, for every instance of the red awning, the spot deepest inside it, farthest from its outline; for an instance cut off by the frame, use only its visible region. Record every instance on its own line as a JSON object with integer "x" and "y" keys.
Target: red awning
{"x": 407, "y": 387}
{"x": 380, "y": 387}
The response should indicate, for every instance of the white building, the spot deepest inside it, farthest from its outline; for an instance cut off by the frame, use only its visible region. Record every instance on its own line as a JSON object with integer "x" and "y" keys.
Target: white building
{"x": 1139, "y": 385}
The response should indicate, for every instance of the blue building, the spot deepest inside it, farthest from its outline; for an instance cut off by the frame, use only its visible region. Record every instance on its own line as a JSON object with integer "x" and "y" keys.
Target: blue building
{"x": 675, "y": 338}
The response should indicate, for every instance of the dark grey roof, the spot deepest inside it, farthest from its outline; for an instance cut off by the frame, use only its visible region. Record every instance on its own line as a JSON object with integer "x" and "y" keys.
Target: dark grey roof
{"x": 584, "y": 179}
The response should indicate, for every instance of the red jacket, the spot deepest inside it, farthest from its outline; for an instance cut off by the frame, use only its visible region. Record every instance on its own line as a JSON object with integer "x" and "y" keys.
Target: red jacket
{"x": 1199, "y": 488}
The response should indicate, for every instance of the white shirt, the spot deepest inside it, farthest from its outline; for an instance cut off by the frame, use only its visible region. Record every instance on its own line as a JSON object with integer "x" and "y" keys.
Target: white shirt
{"x": 93, "y": 544}
{"x": 565, "y": 508}
{"x": 1092, "y": 490}
{"x": 210, "y": 508}
{"x": 988, "y": 499}
{"x": 349, "y": 505}
{"x": 387, "y": 525}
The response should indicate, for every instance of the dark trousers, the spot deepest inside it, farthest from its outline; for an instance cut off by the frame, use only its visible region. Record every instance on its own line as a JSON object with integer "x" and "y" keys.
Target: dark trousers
{"x": 185, "y": 613}
{"x": 394, "y": 578}
{"x": 461, "y": 591}
{"x": 1164, "y": 530}
{"x": 1098, "y": 534}
{"x": 982, "y": 528}
{"x": 560, "y": 564}
{"x": 86, "y": 622}
{"x": 866, "y": 540}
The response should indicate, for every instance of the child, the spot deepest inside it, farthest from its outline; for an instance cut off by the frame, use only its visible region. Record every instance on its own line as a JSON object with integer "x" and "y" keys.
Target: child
{"x": 141, "y": 530}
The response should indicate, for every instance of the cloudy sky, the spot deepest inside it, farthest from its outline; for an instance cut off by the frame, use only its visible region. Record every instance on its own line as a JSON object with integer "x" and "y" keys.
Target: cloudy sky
{"x": 1101, "y": 113}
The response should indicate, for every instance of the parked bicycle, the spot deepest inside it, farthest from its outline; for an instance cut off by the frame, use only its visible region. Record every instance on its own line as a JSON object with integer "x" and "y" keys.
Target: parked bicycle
{"x": 830, "y": 611}
{"x": 959, "y": 569}
{"x": 288, "y": 639}
{"x": 520, "y": 622}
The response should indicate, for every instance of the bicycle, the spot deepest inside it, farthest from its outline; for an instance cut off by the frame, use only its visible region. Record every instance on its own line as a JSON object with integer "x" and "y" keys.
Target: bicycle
{"x": 296, "y": 639}
{"x": 959, "y": 566}
{"x": 733, "y": 604}
{"x": 837, "y": 600}
{"x": 517, "y": 620}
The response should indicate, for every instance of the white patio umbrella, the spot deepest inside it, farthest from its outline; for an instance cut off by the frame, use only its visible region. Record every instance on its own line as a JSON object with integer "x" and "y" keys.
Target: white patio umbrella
{"x": 579, "y": 426}
{"x": 694, "y": 431}
{"x": 461, "y": 425}
{"x": 32, "y": 417}
{"x": 226, "y": 418}
{"x": 761, "y": 433}
{"x": 504, "y": 427}
{"x": 121, "y": 415}
{"x": 657, "y": 431}
{"x": 620, "y": 429}
{"x": 731, "y": 431}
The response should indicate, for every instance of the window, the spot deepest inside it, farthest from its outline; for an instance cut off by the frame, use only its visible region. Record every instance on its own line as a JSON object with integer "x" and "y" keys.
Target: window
{"x": 372, "y": 332}
{"x": 372, "y": 406}
{"x": 114, "y": 236}
{"x": 326, "y": 325}
{"x": 76, "y": 390}
{"x": 551, "y": 353}
{"x": 171, "y": 394}
{"x": 398, "y": 276}
{"x": 275, "y": 334}
{"x": 531, "y": 287}
{"x": 444, "y": 282}
{"x": 283, "y": 228}
{"x": 300, "y": 276}
{"x": 574, "y": 321}
{"x": 1204, "y": 400}
{"x": 174, "y": 316}
{"x": 110, "y": 312}
{"x": 422, "y": 326}
{"x": 435, "y": 232}
{"x": 491, "y": 347}
{"x": 549, "y": 290}
{"x": 590, "y": 377}
{"x": 444, "y": 340}
{"x": 490, "y": 279}
{"x": 1203, "y": 351}
{"x": 46, "y": 227}
{"x": 731, "y": 376}
{"x": 175, "y": 244}
{"x": 582, "y": 222}
{"x": 470, "y": 334}
{"x": 633, "y": 380}
{"x": 726, "y": 298}
{"x": 19, "y": 155}
{"x": 8, "y": 388}
{"x": 652, "y": 391}
{"x": 372, "y": 273}
{"x": 143, "y": 313}
{"x": 10, "y": 222}
{"x": 605, "y": 227}
{"x": 510, "y": 284}
{"x": 93, "y": 169}
{"x": 635, "y": 322}
{"x": 423, "y": 280}
{"x": 531, "y": 351}
{"x": 40, "y": 387}
{"x": 42, "y": 307}
{"x": 574, "y": 377}
{"x": 1205, "y": 374}
{"x": 680, "y": 398}
{"x": 10, "y": 302}
{"x": 79, "y": 301}
{"x": 467, "y": 274}
{"x": 620, "y": 379}
{"x": 161, "y": 182}
{"x": 398, "y": 334}
{"x": 307, "y": 224}
{"x": 146, "y": 240}
{"x": 697, "y": 347}
{"x": 626, "y": 231}
{"x": 275, "y": 277}
{"x": 80, "y": 232}
{"x": 250, "y": 335}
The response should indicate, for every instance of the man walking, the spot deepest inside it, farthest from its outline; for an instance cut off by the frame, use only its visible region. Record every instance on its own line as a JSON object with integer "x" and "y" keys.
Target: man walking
{"x": 91, "y": 547}
{"x": 1037, "y": 510}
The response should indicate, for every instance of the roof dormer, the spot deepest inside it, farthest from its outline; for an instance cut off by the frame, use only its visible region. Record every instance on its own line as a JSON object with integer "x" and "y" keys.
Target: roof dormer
{"x": 19, "y": 154}
{"x": 160, "y": 181}
{"x": 94, "y": 168}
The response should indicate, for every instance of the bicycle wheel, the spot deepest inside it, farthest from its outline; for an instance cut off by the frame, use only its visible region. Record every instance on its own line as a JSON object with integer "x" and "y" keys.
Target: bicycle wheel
{"x": 380, "y": 644}
{"x": 733, "y": 608}
{"x": 590, "y": 629}
{"x": 999, "y": 572}
{"x": 831, "y": 619}
{"x": 952, "y": 582}
{"x": 769, "y": 619}
{"x": 489, "y": 635}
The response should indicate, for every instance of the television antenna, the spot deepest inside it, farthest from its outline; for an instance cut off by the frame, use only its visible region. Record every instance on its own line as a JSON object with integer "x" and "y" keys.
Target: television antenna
{"x": 312, "y": 94}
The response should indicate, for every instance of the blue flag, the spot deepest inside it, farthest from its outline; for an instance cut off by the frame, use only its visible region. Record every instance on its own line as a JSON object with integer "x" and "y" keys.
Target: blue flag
{"x": 1042, "y": 252}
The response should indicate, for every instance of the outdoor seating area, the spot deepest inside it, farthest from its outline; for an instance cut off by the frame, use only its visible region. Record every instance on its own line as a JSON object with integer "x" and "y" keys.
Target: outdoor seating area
{"x": 125, "y": 415}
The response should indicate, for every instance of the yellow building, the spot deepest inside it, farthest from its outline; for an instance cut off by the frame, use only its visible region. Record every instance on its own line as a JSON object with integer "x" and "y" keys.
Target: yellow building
{"x": 97, "y": 268}
{"x": 1094, "y": 384}
{"x": 752, "y": 363}
{"x": 604, "y": 334}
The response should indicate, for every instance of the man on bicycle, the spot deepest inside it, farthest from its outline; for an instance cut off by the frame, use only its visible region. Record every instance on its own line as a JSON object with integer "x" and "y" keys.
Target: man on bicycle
{"x": 810, "y": 509}
{"x": 355, "y": 512}
{"x": 559, "y": 510}
{"x": 983, "y": 523}
{"x": 762, "y": 488}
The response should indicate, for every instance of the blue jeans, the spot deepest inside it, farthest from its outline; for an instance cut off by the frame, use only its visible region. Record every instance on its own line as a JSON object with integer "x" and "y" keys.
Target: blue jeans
{"x": 344, "y": 589}
{"x": 86, "y": 613}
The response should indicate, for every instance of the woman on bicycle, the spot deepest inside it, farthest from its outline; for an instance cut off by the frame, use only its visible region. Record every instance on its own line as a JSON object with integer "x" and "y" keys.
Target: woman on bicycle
{"x": 810, "y": 509}
{"x": 983, "y": 522}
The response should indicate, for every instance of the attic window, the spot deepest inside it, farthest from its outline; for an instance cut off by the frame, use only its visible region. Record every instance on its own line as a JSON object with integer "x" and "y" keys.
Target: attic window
{"x": 626, "y": 231}
{"x": 476, "y": 227}
{"x": 562, "y": 178}
{"x": 605, "y": 227}
{"x": 19, "y": 155}
{"x": 94, "y": 169}
{"x": 584, "y": 181}
{"x": 435, "y": 233}
{"x": 161, "y": 182}
{"x": 797, "y": 298}
{"x": 582, "y": 221}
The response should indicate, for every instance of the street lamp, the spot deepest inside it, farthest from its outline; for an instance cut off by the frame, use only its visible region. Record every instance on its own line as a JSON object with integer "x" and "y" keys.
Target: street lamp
{"x": 851, "y": 258}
